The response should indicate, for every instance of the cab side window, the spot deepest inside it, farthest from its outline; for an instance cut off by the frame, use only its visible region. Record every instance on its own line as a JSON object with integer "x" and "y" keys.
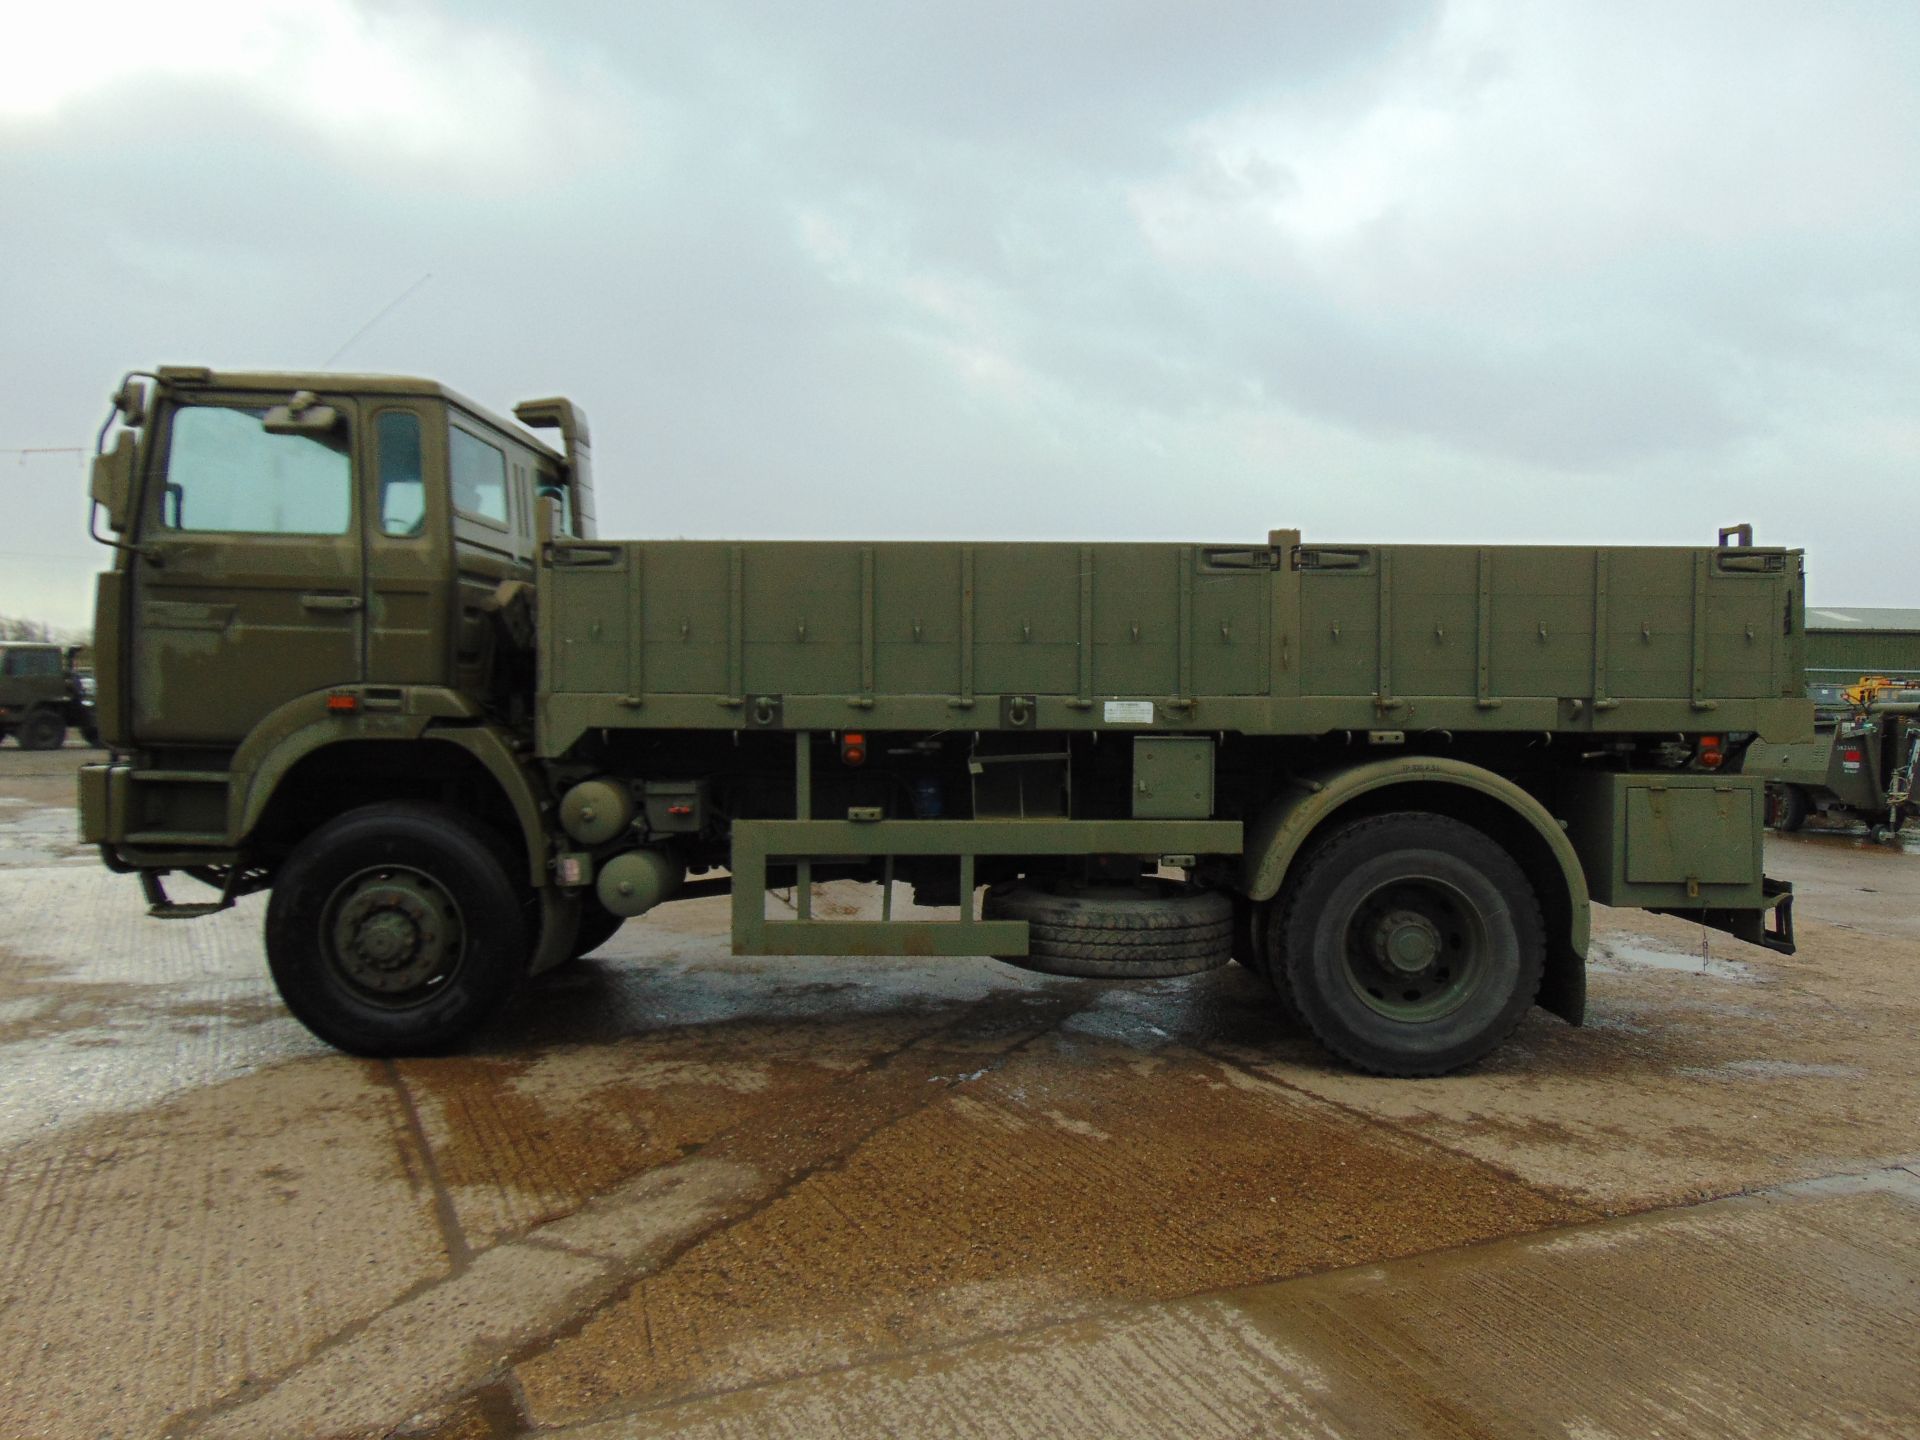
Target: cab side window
{"x": 403, "y": 491}
{"x": 226, "y": 473}
{"x": 479, "y": 473}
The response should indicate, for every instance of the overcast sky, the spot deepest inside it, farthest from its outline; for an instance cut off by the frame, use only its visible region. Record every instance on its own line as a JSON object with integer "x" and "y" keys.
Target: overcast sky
{"x": 1392, "y": 271}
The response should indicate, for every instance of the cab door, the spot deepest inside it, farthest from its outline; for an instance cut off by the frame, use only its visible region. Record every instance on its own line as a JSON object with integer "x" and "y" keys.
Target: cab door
{"x": 409, "y": 584}
{"x": 249, "y": 584}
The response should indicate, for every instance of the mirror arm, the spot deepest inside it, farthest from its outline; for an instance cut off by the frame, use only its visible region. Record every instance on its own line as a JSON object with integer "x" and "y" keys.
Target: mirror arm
{"x": 93, "y": 531}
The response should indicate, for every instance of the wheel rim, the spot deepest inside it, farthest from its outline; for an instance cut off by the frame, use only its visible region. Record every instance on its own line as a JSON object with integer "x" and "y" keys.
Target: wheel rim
{"x": 393, "y": 935}
{"x": 1416, "y": 947}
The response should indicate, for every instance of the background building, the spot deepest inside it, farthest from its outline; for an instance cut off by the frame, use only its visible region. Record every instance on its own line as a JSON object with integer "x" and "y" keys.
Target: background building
{"x": 1845, "y": 643}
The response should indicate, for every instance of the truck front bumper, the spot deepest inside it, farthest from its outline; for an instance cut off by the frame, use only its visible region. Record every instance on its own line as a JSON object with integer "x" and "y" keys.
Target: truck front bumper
{"x": 100, "y": 785}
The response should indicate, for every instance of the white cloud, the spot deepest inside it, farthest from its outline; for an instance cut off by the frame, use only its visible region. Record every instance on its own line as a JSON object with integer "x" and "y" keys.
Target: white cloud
{"x": 1523, "y": 145}
{"x": 382, "y": 85}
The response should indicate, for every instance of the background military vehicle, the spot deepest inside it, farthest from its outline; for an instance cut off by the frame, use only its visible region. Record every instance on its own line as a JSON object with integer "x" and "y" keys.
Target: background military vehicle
{"x": 362, "y": 643}
{"x": 1859, "y": 764}
{"x": 42, "y": 695}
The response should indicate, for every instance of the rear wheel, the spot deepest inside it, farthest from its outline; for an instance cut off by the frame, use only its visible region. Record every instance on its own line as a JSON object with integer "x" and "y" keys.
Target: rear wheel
{"x": 1786, "y": 807}
{"x": 1273, "y": 960}
{"x": 396, "y": 929}
{"x": 42, "y": 730}
{"x": 1153, "y": 927}
{"x": 1410, "y": 943}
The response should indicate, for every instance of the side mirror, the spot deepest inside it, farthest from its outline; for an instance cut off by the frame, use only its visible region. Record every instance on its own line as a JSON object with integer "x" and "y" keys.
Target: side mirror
{"x": 112, "y": 484}
{"x": 130, "y": 400}
{"x": 303, "y": 414}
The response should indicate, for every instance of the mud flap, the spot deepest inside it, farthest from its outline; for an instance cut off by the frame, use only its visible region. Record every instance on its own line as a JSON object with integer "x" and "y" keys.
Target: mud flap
{"x": 1563, "y": 986}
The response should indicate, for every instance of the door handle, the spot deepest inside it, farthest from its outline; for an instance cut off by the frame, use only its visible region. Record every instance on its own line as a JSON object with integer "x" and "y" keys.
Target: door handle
{"x": 330, "y": 602}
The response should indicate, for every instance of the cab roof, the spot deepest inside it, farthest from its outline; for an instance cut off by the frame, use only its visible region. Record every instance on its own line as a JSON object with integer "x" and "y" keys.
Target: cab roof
{"x": 192, "y": 377}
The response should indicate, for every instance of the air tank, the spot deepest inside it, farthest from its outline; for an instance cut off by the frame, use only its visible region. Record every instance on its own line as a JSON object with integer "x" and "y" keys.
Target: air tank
{"x": 594, "y": 811}
{"x": 633, "y": 883}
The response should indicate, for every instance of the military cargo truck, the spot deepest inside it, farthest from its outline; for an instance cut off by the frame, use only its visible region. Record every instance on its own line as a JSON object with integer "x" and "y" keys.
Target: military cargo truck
{"x": 41, "y": 695}
{"x": 362, "y": 643}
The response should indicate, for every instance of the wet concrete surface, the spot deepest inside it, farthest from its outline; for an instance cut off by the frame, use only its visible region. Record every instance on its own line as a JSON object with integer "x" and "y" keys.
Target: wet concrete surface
{"x": 676, "y": 1191}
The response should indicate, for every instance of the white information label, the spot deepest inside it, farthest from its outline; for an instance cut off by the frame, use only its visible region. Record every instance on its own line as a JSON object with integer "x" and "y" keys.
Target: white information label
{"x": 1128, "y": 712}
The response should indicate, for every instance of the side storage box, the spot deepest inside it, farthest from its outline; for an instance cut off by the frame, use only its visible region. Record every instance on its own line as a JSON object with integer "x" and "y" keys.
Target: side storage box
{"x": 1172, "y": 777}
{"x": 1668, "y": 840}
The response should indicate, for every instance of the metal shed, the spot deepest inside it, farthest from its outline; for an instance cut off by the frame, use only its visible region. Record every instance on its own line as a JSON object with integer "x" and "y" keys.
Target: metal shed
{"x": 1845, "y": 642}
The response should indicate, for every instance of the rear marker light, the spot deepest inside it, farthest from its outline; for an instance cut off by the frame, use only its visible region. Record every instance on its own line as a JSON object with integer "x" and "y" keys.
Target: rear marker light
{"x": 343, "y": 704}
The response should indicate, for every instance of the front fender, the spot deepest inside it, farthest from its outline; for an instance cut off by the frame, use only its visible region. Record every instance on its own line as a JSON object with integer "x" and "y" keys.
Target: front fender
{"x": 423, "y": 715}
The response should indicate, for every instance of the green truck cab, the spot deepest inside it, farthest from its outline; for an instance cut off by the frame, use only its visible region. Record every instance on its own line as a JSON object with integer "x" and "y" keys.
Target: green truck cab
{"x": 43, "y": 695}
{"x": 361, "y": 644}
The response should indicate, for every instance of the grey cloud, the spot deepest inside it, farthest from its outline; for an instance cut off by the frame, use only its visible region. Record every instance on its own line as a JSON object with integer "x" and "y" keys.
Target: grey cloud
{"x": 883, "y": 269}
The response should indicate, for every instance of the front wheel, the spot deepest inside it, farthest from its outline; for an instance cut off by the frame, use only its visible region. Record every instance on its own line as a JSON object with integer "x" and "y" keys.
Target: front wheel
{"x": 396, "y": 929}
{"x": 1786, "y": 807}
{"x": 1412, "y": 944}
{"x": 42, "y": 730}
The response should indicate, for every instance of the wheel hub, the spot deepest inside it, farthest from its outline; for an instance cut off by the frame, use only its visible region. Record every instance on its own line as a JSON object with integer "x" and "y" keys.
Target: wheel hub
{"x": 1408, "y": 942}
{"x": 396, "y": 932}
{"x": 1414, "y": 949}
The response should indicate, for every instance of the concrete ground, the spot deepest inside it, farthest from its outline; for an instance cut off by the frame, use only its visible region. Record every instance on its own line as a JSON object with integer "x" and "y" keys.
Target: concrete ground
{"x": 676, "y": 1192}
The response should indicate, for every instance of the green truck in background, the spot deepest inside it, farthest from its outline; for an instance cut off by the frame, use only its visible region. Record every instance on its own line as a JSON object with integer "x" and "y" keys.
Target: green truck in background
{"x": 362, "y": 643}
{"x": 43, "y": 695}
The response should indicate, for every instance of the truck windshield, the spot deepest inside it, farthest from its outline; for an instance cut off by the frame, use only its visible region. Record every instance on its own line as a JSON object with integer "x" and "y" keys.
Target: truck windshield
{"x": 226, "y": 473}
{"x": 22, "y": 664}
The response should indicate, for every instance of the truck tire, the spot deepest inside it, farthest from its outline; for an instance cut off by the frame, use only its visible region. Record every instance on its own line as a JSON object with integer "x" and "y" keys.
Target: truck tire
{"x": 1412, "y": 943}
{"x": 42, "y": 730}
{"x": 1273, "y": 963}
{"x": 1152, "y": 928}
{"x": 1786, "y": 808}
{"x": 598, "y": 925}
{"x": 1246, "y": 940}
{"x": 396, "y": 929}
{"x": 1250, "y": 945}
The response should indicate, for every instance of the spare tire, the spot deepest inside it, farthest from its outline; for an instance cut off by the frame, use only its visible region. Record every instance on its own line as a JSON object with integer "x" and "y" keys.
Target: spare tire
{"x": 1151, "y": 928}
